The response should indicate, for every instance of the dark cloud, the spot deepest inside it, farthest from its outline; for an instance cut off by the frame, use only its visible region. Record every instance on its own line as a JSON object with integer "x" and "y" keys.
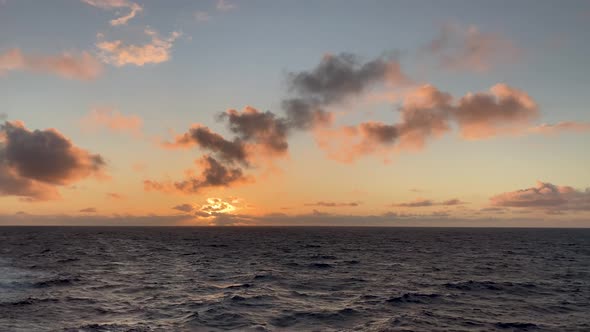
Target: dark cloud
{"x": 46, "y": 155}
{"x": 213, "y": 174}
{"x": 416, "y": 203}
{"x": 262, "y": 128}
{"x": 428, "y": 202}
{"x": 206, "y": 139}
{"x": 334, "y": 80}
{"x": 334, "y": 204}
{"x": 34, "y": 163}
{"x": 338, "y": 77}
{"x": 454, "y": 201}
{"x": 547, "y": 197}
{"x": 492, "y": 209}
{"x": 304, "y": 114}
{"x": 184, "y": 207}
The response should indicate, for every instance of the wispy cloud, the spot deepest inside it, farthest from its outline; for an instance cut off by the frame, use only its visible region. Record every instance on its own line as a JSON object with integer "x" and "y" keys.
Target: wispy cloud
{"x": 112, "y": 120}
{"x": 428, "y": 202}
{"x": 81, "y": 66}
{"x": 225, "y": 5}
{"x": 561, "y": 127}
{"x": 467, "y": 48}
{"x": 133, "y": 7}
{"x": 119, "y": 54}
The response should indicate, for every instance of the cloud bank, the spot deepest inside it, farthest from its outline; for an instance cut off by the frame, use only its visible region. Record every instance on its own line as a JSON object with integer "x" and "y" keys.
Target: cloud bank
{"x": 547, "y": 197}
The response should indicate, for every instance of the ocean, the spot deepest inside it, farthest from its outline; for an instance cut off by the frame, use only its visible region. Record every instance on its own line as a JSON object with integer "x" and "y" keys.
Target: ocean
{"x": 293, "y": 279}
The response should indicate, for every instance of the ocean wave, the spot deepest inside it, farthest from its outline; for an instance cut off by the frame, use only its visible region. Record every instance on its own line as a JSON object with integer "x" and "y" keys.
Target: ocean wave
{"x": 311, "y": 317}
{"x": 422, "y": 298}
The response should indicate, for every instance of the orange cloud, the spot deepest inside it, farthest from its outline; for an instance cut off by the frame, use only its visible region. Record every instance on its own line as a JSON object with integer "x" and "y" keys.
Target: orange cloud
{"x": 112, "y": 120}
{"x": 546, "y": 196}
{"x": 428, "y": 113}
{"x": 81, "y": 67}
{"x": 118, "y": 54}
{"x": 503, "y": 110}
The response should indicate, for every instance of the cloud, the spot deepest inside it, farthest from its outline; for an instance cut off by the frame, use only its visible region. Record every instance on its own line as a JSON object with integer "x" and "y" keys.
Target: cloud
{"x": 416, "y": 203}
{"x": 203, "y": 137}
{"x": 157, "y": 51}
{"x": 427, "y": 113}
{"x": 81, "y": 66}
{"x": 112, "y": 120}
{"x": 493, "y": 209}
{"x": 334, "y": 204}
{"x": 117, "y": 4}
{"x": 546, "y": 197}
{"x": 503, "y": 109}
{"x": 452, "y": 202}
{"x": 213, "y": 174}
{"x": 265, "y": 134}
{"x": 335, "y": 80}
{"x": 427, "y": 202}
{"x": 224, "y": 5}
{"x": 467, "y": 48}
{"x": 561, "y": 127}
{"x": 184, "y": 207}
{"x": 12, "y": 184}
{"x": 34, "y": 163}
{"x": 88, "y": 210}
{"x": 264, "y": 129}
{"x": 338, "y": 77}
{"x": 115, "y": 196}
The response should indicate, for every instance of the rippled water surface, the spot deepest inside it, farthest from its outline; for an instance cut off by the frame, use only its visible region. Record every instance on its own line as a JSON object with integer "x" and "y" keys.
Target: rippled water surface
{"x": 294, "y": 279}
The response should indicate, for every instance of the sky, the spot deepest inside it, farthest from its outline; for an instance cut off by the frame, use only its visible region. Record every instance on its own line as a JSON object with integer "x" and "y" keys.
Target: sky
{"x": 331, "y": 113}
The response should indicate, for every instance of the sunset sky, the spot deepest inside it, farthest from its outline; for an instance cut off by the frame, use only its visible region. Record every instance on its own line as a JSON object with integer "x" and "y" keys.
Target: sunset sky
{"x": 236, "y": 112}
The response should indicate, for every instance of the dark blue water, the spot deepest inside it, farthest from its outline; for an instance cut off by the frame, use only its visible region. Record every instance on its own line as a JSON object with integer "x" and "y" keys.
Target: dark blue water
{"x": 294, "y": 279}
